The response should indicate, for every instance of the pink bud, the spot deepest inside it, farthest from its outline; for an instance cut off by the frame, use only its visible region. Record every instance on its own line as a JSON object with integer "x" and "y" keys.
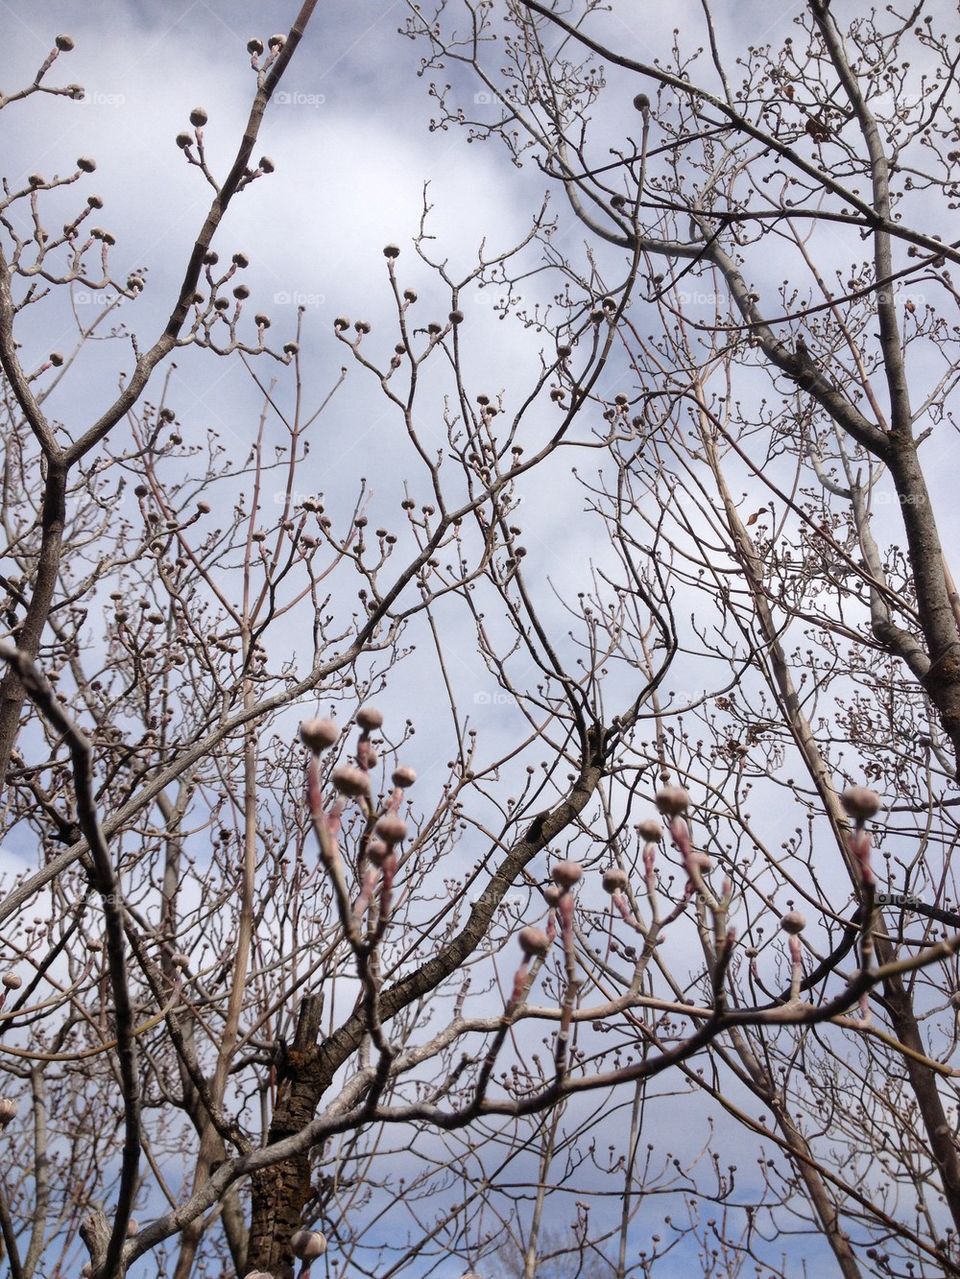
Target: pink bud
{"x": 368, "y": 717}
{"x": 351, "y": 781}
{"x": 533, "y": 941}
{"x": 566, "y": 874}
{"x": 615, "y": 880}
{"x": 391, "y": 829}
{"x": 650, "y": 830}
{"x": 672, "y": 800}
{"x": 318, "y": 734}
{"x": 793, "y": 923}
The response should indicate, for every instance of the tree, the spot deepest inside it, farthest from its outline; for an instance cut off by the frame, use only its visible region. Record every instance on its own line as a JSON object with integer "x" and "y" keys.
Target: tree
{"x": 434, "y": 972}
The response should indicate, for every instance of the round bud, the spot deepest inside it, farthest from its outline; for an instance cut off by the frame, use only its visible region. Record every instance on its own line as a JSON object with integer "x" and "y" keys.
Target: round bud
{"x": 241, "y": 292}
{"x": 240, "y": 260}
{"x": 860, "y": 803}
{"x": 377, "y": 851}
{"x": 403, "y": 776}
{"x": 351, "y": 781}
{"x": 262, "y": 321}
{"x": 291, "y": 348}
{"x": 672, "y": 800}
{"x": 198, "y": 117}
{"x": 203, "y": 508}
{"x": 368, "y": 717}
{"x": 307, "y": 1245}
{"x": 391, "y": 251}
{"x": 85, "y": 163}
{"x": 255, "y": 46}
{"x": 642, "y": 102}
{"x": 8, "y": 1111}
{"x": 56, "y": 359}
{"x": 533, "y": 941}
{"x": 566, "y": 874}
{"x": 265, "y": 164}
{"x": 614, "y": 880}
{"x": 409, "y": 295}
{"x": 12, "y": 981}
{"x": 650, "y": 830}
{"x": 64, "y": 43}
{"x": 391, "y": 828}
{"x": 341, "y": 323}
{"x": 319, "y": 734}
{"x": 184, "y": 140}
{"x": 133, "y": 1228}
{"x": 793, "y": 922}
{"x": 277, "y": 41}
{"x": 456, "y": 317}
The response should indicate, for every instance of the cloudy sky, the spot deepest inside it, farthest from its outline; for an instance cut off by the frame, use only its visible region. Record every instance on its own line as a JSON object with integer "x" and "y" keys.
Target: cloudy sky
{"x": 350, "y": 138}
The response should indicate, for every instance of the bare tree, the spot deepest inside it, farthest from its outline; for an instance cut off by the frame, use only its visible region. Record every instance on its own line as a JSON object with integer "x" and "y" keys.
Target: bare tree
{"x": 423, "y": 985}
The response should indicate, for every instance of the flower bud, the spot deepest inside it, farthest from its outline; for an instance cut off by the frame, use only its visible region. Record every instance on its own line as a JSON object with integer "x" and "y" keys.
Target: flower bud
{"x": 368, "y": 717}
{"x": 265, "y": 164}
{"x": 8, "y": 1111}
{"x": 319, "y": 734}
{"x": 860, "y": 803}
{"x": 307, "y": 1245}
{"x": 64, "y": 43}
{"x": 255, "y": 46}
{"x": 566, "y": 874}
{"x": 650, "y": 830}
{"x": 377, "y": 851}
{"x": 351, "y": 781}
{"x": 793, "y": 923}
{"x": 277, "y": 41}
{"x": 641, "y": 102}
{"x": 615, "y": 880}
{"x": 672, "y": 800}
{"x": 85, "y": 163}
{"x": 198, "y": 117}
{"x": 391, "y": 251}
{"x": 551, "y": 894}
{"x": 391, "y": 828}
{"x": 12, "y": 981}
{"x": 403, "y": 776}
{"x": 533, "y": 941}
